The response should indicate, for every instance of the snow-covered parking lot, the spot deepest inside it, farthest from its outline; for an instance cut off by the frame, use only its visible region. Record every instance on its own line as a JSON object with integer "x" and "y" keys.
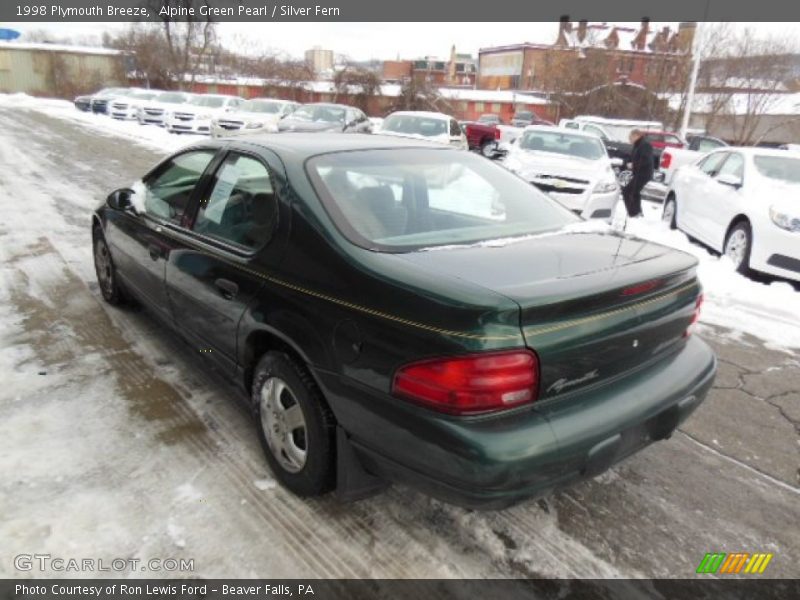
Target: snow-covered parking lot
{"x": 115, "y": 441}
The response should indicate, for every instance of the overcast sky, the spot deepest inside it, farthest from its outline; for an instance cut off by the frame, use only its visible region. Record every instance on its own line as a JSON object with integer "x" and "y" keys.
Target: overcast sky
{"x": 371, "y": 40}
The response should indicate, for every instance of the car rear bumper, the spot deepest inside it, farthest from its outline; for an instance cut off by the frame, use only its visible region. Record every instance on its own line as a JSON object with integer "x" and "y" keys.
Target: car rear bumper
{"x": 492, "y": 462}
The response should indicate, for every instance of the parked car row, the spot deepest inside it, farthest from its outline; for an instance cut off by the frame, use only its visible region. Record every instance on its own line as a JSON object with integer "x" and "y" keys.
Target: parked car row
{"x": 221, "y": 115}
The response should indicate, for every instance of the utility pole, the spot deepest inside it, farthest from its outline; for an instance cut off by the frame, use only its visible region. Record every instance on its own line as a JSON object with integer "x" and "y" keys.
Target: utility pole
{"x": 697, "y": 46}
{"x": 687, "y": 110}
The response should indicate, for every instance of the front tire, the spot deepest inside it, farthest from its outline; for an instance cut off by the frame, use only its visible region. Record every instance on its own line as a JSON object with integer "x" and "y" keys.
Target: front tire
{"x": 295, "y": 425}
{"x": 670, "y": 214}
{"x": 106, "y": 271}
{"x": 738, "y": 246}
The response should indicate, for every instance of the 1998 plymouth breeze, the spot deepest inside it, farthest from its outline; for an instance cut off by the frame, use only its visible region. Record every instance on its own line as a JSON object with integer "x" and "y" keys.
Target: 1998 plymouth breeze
{"x": 402, "y": 311}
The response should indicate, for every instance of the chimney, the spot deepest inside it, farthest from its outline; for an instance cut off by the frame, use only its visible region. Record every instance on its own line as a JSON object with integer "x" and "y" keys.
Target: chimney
{"x": 582, "y": 25}
{"x": 641, "y": 38}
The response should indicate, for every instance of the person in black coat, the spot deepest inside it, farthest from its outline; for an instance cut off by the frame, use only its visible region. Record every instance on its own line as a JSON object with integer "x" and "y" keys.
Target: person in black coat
{"x": 642, "y": 167}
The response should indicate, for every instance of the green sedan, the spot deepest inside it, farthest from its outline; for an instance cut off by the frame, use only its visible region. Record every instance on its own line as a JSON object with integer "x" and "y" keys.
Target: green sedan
{"x": 398, "y": 311}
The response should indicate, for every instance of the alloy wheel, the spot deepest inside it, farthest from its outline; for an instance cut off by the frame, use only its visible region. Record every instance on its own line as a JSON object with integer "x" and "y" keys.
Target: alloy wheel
{"x": 284, "y": 425}
{"x": 736, "y": 247}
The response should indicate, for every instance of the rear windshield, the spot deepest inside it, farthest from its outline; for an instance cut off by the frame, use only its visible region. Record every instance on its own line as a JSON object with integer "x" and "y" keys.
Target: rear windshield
{"x": 563, "y": 143}
{"x": 261, "y": 106}
{"x": 782, "y": 168}
{"x": 402, "y": 200}
{"x": 172, "y": 97}
{"x": 208, "y": 101}
{"x": 415, "y": 125}
{"x": 319, "y": 113}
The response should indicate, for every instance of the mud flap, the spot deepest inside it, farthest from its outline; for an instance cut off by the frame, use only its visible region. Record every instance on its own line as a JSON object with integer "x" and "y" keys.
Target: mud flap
{"x": 353, "y": 482}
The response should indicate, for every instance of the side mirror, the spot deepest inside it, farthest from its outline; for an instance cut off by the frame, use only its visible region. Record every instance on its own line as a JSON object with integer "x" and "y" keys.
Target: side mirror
{"x": 728, "y": 179}
{"x": 120, "y": 199}
{"x": 617, "y": 162}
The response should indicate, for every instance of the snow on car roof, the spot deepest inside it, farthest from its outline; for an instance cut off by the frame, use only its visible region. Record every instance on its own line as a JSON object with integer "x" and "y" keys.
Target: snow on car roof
{"x": 420, "y": 113}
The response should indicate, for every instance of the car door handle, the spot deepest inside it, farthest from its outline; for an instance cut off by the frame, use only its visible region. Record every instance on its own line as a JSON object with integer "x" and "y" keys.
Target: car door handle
{"x": 155, "y": 251}
{"x": 227, "y": 288}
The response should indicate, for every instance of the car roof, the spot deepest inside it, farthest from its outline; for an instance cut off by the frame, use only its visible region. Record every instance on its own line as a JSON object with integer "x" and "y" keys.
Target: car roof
{"x": 267, "y": 99}
{"x": 304, "y": 145}
{"x": 756, "y": 151}
{"x": 420, "y": 113}
{"x": 564, "y": 130}
{"x": 330, "y": 104}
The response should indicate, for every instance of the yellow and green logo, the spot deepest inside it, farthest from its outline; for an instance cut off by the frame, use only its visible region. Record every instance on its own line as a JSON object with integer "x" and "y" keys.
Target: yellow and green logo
{"x": 736, "y": 562}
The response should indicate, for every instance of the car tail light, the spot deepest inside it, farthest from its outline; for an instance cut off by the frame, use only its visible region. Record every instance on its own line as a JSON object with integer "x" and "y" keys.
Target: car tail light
{"x": 497, "y": 134}
{"x": 696, "y": 316}
{"x": 471, "y": 384}
{"x": 666, "y": 160}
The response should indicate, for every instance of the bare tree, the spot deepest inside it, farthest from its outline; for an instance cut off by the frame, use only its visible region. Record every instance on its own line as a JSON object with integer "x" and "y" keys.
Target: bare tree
{"x": 357, "y": 83}
{"x": 742, "y": 79}
{"x": 418, "y": 94}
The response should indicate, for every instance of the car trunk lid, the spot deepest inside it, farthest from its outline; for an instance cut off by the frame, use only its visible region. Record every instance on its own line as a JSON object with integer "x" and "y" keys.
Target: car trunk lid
{"x": 594, "y": 306}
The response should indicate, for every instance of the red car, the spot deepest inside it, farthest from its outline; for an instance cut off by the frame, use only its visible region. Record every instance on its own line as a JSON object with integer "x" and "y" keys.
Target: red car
{"x": 482, "y": 136}
{"x": 663, "y": 139}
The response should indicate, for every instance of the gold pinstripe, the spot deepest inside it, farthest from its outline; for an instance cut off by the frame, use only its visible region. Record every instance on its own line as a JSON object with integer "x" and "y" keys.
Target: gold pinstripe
{"x": 448, "y": 332}
{"x": 607, "y": 314}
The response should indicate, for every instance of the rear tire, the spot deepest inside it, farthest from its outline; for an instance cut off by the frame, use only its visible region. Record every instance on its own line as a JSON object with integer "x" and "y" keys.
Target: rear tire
{"x": 106, "y": 271}
{"x": 295, "y": 425}
{"x": 738, "y": 245}
{"x": 670, "y": 213}
{"x": 488, "y": 148}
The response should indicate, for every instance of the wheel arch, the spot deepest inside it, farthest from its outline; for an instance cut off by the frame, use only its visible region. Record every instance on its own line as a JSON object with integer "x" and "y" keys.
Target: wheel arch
{"x": 261, "y": 340}
{"x": 740, "y": 218}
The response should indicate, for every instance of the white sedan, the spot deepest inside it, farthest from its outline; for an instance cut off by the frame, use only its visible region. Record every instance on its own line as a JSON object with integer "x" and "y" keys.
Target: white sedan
{"x": 424, "y": 125}
{"x": 742, "y": 202}
{"x": 195, "y": 116}
{"x": 256, "y": 114}
{"x": 572, "y": 167}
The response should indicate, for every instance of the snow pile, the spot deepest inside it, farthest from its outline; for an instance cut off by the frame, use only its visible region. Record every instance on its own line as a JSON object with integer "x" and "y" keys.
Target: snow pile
{"x": 768, "y": 310}
{"x": 148, "y": 135}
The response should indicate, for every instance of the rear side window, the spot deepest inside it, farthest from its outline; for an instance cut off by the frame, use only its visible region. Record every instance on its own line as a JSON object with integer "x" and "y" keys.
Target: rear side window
{"x": 710, "y": 165}
{"x": 166, "y": 192}
{"x": 733, "y": 166}
{"x": 240, "y": 207}
{"x": 455, "y": 129}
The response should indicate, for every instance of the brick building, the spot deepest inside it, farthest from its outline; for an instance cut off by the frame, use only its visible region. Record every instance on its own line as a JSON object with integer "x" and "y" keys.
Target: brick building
{"x": 459, "y": 70}
{"x": 595, "y": 54}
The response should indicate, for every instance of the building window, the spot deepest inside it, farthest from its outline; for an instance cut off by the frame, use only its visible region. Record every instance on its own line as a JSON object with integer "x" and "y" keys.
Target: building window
{"x": 496, "y": 107}
{"x": 479, "y": 107}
